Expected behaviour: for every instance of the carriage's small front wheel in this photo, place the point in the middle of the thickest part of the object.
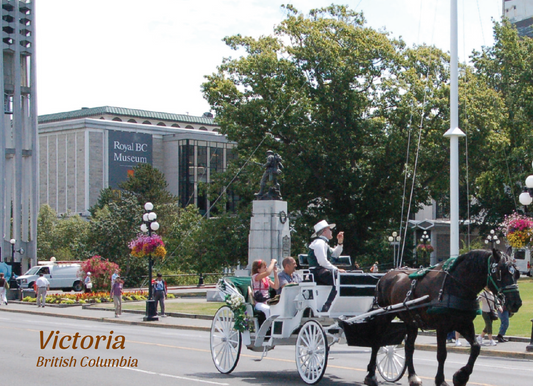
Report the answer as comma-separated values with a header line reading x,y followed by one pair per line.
x,y
311,352
225,341
391,362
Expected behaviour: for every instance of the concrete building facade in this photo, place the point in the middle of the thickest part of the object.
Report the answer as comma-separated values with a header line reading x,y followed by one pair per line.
x,y
87,150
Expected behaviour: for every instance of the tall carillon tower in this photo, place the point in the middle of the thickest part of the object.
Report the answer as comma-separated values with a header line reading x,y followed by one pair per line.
x,y
18,139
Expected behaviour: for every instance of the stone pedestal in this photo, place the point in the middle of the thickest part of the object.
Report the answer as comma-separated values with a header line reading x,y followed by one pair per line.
x,y
269,236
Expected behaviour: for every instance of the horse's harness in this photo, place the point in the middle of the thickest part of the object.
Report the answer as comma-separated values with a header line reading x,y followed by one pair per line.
x,y
448,301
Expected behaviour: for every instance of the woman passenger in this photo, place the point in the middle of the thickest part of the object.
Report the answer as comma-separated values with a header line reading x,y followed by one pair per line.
x,y
261,283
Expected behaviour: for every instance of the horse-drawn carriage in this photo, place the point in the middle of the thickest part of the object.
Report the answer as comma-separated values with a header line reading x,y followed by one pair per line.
x,y
443,298
295,320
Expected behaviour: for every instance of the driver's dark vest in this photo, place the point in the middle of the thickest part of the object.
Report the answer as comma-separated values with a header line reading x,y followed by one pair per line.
x,y
312,260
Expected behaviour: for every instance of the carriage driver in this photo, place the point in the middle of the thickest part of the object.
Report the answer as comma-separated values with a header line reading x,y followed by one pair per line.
x,y
319,255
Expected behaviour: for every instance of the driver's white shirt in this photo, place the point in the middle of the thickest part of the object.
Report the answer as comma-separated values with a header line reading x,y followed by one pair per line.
x,y
320,247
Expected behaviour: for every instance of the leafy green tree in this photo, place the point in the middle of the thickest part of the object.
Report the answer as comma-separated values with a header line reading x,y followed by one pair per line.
x,y
507,69
63,238
340,102
46,224
149,185
111,229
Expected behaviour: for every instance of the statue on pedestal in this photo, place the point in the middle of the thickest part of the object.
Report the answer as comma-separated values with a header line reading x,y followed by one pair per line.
x,y
273,167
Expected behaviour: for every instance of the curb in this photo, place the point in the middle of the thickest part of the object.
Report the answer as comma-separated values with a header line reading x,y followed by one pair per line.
x,y
421,346
113,320
489,353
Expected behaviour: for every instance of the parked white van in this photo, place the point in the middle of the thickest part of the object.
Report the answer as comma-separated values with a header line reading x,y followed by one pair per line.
x,y
60,275
522,258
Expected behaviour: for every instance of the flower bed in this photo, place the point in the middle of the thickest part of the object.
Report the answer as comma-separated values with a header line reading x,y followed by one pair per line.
x,y
91,297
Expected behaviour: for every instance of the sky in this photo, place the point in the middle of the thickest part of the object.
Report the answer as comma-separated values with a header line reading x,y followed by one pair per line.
x,y
155,55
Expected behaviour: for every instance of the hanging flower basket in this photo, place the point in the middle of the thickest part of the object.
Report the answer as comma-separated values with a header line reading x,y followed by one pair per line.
x,y
518,229
145,245
424,248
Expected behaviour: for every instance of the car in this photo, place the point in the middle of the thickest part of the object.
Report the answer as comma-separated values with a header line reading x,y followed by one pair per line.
x,y
522,257
60,275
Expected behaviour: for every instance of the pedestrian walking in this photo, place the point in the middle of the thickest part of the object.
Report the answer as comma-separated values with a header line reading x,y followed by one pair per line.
x,y
4,286
43,285
504,324
159,287
488,306
88,283
116,293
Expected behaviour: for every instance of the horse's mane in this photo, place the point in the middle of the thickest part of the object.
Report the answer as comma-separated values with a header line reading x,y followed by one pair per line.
x,y
473,259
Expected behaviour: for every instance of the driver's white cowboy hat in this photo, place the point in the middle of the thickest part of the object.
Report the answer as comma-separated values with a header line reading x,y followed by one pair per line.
x,y
321,225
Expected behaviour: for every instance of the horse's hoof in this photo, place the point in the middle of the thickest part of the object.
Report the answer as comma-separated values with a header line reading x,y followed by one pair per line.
x,y
371,380
461,377
414,380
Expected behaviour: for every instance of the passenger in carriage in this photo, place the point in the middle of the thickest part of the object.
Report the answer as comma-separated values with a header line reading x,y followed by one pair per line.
x,y
319,255
261,282
288,275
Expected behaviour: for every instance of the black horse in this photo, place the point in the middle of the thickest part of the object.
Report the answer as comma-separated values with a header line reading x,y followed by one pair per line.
x,y
453,288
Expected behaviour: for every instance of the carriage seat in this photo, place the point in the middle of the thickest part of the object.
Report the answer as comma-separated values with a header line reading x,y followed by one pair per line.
x,y
260,315
341,261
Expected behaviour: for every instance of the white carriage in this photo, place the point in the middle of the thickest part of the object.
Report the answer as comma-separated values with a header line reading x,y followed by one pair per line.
x,y
295,320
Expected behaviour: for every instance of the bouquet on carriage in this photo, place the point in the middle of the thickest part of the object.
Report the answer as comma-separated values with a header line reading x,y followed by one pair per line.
x,y
518,229
237,305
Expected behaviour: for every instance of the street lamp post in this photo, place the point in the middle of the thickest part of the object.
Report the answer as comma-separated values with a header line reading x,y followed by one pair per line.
x,y
12,242
526,197
12,280
150,224
425,241
492,238
394,240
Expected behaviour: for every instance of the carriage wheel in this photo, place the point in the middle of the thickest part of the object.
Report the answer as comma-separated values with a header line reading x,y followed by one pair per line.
x,y
225,341
391,362
311,352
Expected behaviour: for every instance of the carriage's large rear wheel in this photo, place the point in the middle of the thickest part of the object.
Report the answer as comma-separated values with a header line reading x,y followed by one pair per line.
x,y
225,341
311,352
391,362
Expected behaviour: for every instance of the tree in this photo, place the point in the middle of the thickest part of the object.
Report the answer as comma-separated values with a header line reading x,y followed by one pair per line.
x,y
111,230
149,185
507,69
63,238
46,224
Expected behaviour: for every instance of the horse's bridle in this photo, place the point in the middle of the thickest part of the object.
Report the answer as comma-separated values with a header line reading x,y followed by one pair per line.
x,y
493,269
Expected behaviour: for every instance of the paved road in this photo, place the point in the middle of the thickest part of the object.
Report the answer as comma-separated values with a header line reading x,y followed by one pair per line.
x,y
174,356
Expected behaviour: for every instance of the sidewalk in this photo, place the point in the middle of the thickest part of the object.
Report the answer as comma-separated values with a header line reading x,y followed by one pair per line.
x,y
515,348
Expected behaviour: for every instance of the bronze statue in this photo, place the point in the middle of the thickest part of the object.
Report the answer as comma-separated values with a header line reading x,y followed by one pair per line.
x,y
272,167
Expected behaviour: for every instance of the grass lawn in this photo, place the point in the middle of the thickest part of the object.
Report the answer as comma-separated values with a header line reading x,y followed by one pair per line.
x,y
519,325
189,307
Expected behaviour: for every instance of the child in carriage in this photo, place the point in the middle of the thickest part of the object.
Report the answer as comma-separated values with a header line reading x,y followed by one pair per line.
x,y
261,282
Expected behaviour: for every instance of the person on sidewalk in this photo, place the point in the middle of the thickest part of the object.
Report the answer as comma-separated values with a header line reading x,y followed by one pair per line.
x,y
4,286
159,287
319,255
88,283
114,277
488,304
43,285
116,293
504,324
